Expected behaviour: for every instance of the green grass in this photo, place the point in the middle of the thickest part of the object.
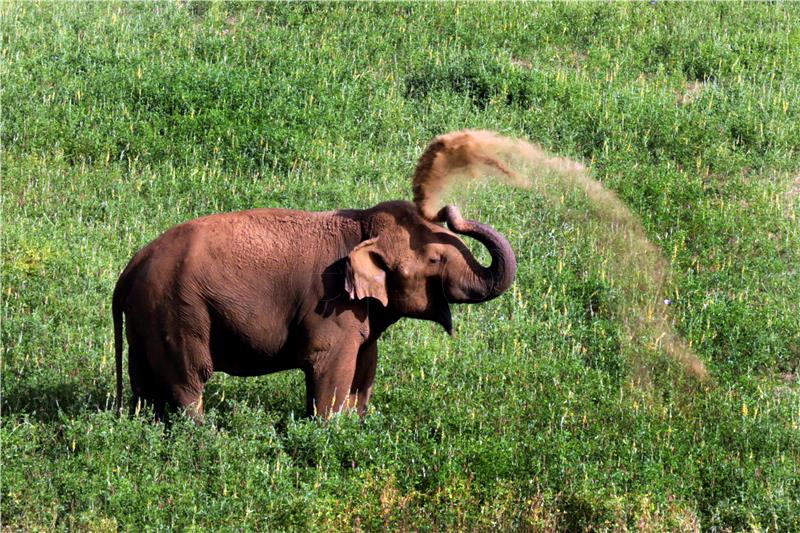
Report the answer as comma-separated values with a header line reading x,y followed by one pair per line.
x,y
120,120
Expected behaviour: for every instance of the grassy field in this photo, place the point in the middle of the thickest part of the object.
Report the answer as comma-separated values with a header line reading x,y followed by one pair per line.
x,y
546,412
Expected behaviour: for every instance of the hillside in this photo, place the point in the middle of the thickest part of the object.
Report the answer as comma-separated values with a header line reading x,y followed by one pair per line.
x,y
565,404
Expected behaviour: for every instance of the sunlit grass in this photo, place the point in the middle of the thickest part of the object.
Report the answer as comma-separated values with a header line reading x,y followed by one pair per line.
x,y
547,411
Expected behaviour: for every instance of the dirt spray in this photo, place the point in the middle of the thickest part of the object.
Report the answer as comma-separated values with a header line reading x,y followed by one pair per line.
x,y
636,266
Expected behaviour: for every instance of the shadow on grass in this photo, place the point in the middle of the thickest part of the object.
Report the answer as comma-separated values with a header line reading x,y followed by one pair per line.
x,y
48,402
282,395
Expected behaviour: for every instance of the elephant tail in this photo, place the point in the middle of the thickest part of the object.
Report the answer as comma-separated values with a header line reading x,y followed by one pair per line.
x,y
121,291
120,296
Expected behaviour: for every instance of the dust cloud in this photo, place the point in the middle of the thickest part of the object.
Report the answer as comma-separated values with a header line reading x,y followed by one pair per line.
x,y
633,264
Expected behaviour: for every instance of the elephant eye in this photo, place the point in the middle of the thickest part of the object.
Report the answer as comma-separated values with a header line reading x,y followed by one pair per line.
x,y
435,260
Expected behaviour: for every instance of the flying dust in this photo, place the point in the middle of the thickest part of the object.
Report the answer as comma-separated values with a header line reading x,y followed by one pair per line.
x,y
634,265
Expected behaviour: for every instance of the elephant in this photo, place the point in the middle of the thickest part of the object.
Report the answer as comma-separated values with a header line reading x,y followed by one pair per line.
x,y
260,291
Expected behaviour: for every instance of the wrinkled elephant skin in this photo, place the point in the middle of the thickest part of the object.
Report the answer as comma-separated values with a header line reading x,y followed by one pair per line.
x,y
265,290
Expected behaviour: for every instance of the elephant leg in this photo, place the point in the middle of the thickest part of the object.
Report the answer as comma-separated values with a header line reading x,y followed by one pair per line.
x,y
147,390
193,369
328,381
138,374
361,388
190,400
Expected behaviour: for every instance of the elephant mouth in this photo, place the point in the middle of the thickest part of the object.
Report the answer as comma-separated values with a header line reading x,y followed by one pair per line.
x,y
444,317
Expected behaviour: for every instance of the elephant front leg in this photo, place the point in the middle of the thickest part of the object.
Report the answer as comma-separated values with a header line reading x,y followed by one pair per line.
x,y
329,379
361,388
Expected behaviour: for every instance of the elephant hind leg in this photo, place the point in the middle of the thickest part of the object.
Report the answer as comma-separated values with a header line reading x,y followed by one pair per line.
x,y
147,391
193,368
170,371
190,401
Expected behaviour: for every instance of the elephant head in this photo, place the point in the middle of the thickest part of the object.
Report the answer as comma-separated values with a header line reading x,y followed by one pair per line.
x,y
416,268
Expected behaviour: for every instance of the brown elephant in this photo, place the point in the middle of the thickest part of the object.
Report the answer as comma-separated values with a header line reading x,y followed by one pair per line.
x,y
255,292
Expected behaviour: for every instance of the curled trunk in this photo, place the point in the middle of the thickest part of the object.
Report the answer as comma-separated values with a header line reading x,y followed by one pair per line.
x,y
481,283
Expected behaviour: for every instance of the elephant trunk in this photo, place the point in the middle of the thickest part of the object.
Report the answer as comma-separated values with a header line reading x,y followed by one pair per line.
x,y
482,283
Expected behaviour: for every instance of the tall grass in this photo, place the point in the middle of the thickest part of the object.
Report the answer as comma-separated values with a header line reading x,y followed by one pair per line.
x,y
548,410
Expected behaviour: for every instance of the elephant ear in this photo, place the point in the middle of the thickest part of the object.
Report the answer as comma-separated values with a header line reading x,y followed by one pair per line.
x,y
366,277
